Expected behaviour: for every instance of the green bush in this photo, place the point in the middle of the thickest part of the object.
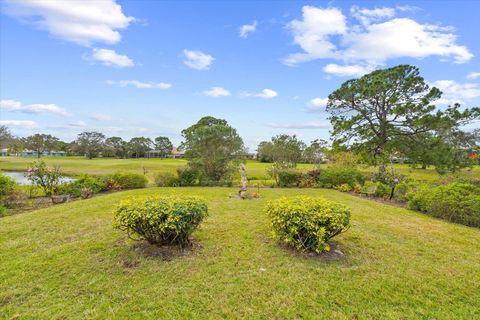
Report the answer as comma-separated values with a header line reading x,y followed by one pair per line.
x,y
166,179
3,210
337,176
187,176
84,182
128,180
7,185
307,223
456,202
344,187
161,220
46,177
419,197
288,177
11,195
382,190
310,179
403,188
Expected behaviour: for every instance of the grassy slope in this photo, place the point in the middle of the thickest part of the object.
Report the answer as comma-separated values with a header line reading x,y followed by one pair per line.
x,y
256,170
66,262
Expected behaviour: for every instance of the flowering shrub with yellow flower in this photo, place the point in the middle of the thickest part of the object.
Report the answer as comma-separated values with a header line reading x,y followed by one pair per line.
x,y
164,220
307,223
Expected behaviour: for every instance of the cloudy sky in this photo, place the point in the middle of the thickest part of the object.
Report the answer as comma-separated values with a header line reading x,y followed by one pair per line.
x,y
149,68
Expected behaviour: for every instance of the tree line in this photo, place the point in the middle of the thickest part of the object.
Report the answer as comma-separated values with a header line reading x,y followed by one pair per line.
x,y
90,144
386,114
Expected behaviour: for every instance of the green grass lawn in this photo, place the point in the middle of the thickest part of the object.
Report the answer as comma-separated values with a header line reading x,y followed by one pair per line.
x,y
256,171
67,262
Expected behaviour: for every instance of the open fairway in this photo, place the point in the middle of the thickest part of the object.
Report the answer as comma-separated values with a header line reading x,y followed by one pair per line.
x,y
257,171
78,165
67,262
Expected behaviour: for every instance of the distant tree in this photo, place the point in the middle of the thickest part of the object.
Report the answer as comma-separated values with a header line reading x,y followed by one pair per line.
x,y
210,145
62,146
116,147
446,150
164,145
316,151
282,149
90,144
377,112
6,136
265,151
41,143
139,146
16,145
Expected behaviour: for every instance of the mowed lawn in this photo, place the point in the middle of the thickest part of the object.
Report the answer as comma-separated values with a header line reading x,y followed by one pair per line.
x,y
67,262
256,171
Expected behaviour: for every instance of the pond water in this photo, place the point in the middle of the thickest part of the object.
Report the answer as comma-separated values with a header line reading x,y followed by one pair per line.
x,y
21,179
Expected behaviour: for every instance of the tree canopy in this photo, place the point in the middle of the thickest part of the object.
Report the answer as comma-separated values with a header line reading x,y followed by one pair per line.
x,y
139,146
378,112
90,143
210,145
5,136
41,143
282,148
164,145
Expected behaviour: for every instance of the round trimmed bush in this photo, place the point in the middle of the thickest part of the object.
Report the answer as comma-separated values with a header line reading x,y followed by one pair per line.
x,y
161,220
307,223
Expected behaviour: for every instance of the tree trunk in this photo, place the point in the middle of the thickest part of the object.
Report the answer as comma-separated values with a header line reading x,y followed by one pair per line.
x,y
382,169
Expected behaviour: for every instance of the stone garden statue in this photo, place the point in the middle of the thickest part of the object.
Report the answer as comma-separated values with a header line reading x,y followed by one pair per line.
x,y
243,181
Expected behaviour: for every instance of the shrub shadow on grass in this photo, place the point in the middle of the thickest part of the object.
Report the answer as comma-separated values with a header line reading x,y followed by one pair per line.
x,y
335,254
166,252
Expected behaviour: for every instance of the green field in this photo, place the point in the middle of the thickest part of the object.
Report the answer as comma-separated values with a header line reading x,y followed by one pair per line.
x,y
257,171
67,262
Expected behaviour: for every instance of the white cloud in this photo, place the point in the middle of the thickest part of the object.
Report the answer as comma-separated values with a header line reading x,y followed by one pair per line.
x,y
82,22
217,92
306,125
366,16
109,57
317,103
101,117
347,70
455,92
197,60
19,124
76,125
37,108
403,37
372,42
79,123
473,75
407,8
313,31
141,85
247,28
267,94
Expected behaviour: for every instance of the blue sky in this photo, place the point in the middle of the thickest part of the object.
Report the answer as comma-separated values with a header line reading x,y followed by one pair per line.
x,y
149,68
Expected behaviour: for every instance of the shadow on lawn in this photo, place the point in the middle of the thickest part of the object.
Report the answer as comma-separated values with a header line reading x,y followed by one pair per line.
x,y
166,252
335,253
